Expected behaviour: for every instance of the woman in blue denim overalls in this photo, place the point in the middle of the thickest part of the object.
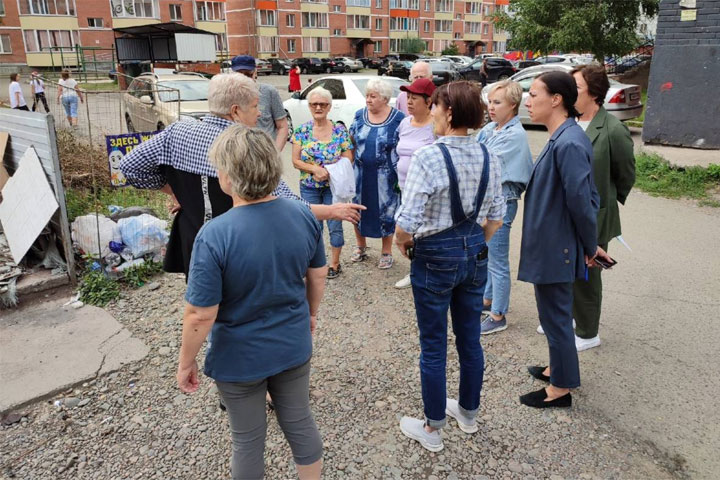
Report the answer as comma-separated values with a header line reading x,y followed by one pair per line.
x,y
452,205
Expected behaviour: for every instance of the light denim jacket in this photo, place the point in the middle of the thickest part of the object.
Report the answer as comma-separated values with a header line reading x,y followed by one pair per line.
x,y
510,145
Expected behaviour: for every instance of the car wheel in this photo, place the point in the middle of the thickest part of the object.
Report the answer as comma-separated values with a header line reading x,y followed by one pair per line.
x,y
290,126
503,77
283,72
128,122
347,69
304,71
328,70
160,126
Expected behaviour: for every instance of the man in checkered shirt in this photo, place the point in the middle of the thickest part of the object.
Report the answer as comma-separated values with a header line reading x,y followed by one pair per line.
x,y
175,161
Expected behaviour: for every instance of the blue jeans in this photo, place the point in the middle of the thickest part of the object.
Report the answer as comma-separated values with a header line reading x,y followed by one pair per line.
x,y
70,104
323,196
446,273
498,281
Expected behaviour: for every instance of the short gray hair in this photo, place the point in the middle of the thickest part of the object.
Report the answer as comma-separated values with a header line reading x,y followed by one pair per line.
x,y
250,160
513,92
323,92
228,89
379,86
420,65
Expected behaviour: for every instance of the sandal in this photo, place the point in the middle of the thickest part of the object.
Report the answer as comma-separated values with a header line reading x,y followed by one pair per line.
x,y
360,254
386,261
334,273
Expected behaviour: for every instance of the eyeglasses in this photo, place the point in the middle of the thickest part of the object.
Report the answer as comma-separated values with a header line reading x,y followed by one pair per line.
x,y
319,105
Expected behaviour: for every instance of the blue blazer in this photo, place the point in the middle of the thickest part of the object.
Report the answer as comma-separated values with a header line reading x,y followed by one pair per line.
x,y
561,207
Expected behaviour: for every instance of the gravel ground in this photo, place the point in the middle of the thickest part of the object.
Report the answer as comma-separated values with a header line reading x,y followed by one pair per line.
x,y
135,424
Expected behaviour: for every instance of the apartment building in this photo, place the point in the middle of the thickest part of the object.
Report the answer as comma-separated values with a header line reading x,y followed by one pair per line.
x,y
44,33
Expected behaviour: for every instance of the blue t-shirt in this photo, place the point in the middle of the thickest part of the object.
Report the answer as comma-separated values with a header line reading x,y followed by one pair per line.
x,y
251,261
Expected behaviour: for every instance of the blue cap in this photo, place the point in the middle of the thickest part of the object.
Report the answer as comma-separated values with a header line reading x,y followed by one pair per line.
x,y
243,62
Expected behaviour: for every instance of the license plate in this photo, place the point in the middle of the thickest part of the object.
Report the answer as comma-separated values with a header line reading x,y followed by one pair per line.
x,y
634,96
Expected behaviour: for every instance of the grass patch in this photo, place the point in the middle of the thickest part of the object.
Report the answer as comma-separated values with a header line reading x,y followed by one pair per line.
x,y
138,276
99,87
656,176
85,200
97,289
639,121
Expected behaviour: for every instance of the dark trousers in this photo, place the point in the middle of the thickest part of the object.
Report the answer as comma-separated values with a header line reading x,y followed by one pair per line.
x,y
587,303
554,304
40,97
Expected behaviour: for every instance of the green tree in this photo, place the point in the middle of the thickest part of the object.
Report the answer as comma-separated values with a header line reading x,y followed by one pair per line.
x,y
601,27
451,50
413,45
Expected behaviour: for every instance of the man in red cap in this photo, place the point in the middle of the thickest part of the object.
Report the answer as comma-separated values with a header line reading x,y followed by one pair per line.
x,y
419,70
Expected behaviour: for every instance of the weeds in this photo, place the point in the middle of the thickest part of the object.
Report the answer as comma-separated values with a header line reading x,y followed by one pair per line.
x,y
656,176
138,276
97,289
81,201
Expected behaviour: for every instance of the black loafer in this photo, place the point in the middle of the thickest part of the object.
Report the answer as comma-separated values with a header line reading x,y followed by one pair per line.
x,y
537,400
537,372
332,273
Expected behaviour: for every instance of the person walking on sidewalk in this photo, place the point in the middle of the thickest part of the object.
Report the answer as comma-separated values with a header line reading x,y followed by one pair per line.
x,y
506,138
38,90
559,235
452,189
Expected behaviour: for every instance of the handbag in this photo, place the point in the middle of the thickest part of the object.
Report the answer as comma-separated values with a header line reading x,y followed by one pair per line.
x,y
342,180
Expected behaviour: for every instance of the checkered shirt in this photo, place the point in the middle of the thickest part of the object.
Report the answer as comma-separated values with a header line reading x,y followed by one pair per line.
x,y
425,208
183,146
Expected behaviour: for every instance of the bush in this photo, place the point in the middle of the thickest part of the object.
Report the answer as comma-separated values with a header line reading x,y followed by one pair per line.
x,y
451,50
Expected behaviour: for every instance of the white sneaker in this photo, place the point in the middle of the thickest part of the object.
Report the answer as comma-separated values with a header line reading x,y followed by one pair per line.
x,y
467,425
542,332
586,343
404,283
415,429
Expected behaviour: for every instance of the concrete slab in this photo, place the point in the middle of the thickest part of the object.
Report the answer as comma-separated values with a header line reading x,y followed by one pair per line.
x,y
682,157
46,348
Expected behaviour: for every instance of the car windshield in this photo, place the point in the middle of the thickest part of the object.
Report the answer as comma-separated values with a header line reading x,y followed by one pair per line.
x,y
396,83
190,91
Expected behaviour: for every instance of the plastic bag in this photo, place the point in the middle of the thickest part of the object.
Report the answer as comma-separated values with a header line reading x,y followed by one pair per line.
x,y
85,234
143,234
342,180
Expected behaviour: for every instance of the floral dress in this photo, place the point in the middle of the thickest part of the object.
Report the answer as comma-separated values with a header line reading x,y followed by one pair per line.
x,y
376,172
320,153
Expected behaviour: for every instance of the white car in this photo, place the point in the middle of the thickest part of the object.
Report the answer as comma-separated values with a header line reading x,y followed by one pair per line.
x,y
460,60
348,93
622,100
351,65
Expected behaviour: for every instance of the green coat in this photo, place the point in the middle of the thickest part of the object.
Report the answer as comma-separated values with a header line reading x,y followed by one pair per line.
x,y
613,169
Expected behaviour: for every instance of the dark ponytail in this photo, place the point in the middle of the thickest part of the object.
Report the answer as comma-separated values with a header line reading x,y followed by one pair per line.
x,y
563,84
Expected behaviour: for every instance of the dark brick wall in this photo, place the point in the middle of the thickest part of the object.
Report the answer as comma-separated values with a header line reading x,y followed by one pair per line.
x,y
683,104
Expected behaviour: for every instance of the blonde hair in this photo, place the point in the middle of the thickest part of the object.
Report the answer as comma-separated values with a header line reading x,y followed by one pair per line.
x,y
513,92
228,89
249,159
381,87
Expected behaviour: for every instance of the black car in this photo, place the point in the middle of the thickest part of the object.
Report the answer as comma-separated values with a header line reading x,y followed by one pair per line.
x,y
310,65
443,73
279,66
329,65
376,63
365,61
497,69
399,69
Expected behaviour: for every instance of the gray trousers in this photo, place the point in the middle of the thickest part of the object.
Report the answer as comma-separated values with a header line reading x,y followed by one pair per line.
x,y
245,402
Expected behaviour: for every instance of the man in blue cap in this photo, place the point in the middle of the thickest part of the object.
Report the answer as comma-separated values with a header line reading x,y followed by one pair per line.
x,y
273,119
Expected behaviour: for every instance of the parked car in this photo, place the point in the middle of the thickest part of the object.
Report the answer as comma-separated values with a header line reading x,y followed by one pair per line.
x,y
310,65
348,93
399,69
365,61
279,66
443,73
627,63
622,100
350,64
497,69
330,65
571,59
154,101
521,64
459,59
410,56
263,67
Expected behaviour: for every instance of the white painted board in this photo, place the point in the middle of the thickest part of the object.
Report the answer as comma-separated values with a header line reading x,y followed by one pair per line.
x,y
195,47
28,205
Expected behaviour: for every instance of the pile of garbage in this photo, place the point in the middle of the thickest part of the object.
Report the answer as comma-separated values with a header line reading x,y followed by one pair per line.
x,y
128,238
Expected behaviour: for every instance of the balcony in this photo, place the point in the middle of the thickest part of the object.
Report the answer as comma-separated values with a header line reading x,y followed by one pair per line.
x,y
323,2
358,3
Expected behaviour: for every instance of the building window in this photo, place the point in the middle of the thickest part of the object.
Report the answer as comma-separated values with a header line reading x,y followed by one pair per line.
x,y
404,24
458,16
378,4
487,10
315,44
44,40
473,27
290,20
361,22
398,44
266,18
440,45
314,1
486,29
405,4
457,35
5,42
473,8
378,24
291,45
95,22
2,9
45,7
221,42
358,3
209,11
176,12
267,44
427,5
135,9
337,8
443,5
314,20
378,47
426,26
443,26
337,32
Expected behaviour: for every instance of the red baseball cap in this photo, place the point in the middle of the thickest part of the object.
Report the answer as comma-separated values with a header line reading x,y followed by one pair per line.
x,y
421,86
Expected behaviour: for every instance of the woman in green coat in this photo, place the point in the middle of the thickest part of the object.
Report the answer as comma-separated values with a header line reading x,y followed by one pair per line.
x,y
614,173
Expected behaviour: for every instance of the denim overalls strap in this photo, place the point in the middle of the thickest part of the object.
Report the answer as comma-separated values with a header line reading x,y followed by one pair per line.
x,y
456,208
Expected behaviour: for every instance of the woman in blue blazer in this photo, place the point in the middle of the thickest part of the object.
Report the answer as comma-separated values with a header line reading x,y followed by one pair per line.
x,y
559,240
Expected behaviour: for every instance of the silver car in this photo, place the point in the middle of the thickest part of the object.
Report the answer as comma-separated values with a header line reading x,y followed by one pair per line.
x,y
351,65
622,100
